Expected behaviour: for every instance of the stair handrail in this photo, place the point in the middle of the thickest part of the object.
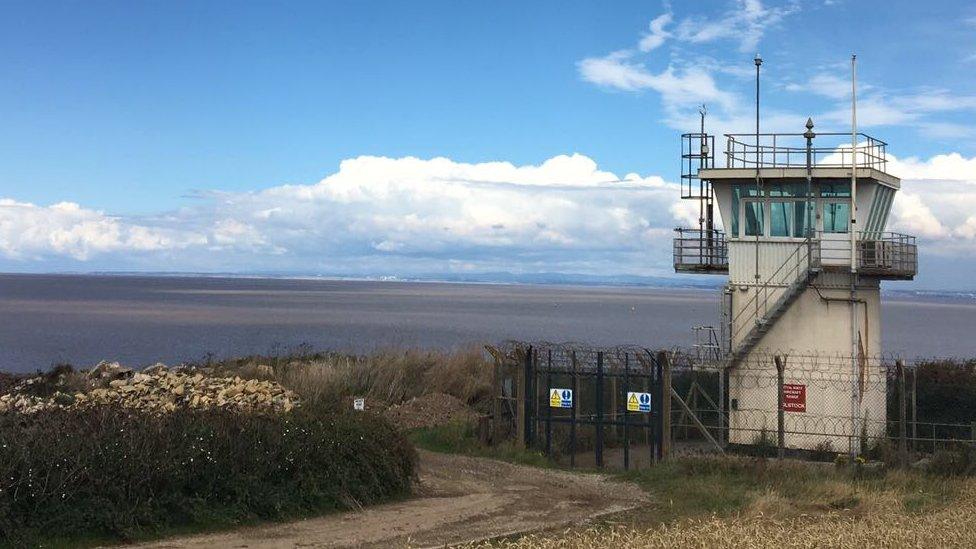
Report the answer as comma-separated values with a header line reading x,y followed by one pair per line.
x,y
793,264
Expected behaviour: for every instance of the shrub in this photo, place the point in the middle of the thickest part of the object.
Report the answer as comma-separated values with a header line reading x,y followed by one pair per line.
x,y
953,461
118,474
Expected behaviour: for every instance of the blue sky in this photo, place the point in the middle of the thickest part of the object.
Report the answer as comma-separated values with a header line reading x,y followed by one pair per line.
x,y
211,136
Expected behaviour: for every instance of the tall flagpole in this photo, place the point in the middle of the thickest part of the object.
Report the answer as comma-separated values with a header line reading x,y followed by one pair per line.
x,y
855,362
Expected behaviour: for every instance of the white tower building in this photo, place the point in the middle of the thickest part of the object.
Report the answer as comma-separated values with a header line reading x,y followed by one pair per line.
x,y
805,250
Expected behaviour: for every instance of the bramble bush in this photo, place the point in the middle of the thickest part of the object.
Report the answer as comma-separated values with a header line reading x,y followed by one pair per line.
x,y
108,473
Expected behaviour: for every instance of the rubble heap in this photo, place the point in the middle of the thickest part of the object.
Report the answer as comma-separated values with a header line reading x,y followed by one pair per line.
x,y
156,390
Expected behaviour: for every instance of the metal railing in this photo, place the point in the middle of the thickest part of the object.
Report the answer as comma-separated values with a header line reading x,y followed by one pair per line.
x,y
885,254
697,152
788,150
701,251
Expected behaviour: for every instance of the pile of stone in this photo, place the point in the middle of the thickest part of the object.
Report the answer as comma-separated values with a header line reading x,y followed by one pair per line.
x,y
156,390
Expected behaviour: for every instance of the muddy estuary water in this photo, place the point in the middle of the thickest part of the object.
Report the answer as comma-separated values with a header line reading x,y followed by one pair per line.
x,y
140,320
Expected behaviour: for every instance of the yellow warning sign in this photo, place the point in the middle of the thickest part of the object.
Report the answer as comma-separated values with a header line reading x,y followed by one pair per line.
x,y
554,399
632,404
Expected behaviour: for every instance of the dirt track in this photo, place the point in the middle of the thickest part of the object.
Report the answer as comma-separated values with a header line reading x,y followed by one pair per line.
x,y
460,499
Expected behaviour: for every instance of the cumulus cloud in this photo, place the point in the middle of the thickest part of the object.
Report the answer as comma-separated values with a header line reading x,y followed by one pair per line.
x,y
937,200
377,215
28,231
387,212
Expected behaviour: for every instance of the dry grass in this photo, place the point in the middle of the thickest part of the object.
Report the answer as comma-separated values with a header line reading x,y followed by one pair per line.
x,y
389,377
787,506
948,527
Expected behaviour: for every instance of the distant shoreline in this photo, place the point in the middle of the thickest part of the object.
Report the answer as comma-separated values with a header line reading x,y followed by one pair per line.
x,y
550,280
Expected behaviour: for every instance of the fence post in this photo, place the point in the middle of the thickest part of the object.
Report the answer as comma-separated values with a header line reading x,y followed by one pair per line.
x,y
613,405
599,409
915,408
520,398
626,413
549,406
902,415
528,376
496,403
780,416
665,361
575,413
721,407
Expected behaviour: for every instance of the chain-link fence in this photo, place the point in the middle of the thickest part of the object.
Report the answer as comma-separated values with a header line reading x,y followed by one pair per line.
x,y
775,402
827,404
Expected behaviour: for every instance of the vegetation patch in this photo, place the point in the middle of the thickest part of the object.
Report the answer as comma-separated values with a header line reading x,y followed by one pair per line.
x,y
111,473
383,378
461,438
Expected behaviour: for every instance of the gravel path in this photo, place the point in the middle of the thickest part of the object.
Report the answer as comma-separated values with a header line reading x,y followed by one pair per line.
x,y
460,499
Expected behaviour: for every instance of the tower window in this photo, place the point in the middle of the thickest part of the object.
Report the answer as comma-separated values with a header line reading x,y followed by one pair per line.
x,y
788,218
753,218
836,217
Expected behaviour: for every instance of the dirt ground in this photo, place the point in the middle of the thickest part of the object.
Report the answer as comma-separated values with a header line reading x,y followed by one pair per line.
x,y
460,499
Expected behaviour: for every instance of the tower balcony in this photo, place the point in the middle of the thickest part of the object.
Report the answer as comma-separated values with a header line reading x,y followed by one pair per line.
x,y
885,255
700,251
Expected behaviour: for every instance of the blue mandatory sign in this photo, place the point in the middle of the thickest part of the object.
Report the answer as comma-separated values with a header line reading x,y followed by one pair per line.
x,y
638,402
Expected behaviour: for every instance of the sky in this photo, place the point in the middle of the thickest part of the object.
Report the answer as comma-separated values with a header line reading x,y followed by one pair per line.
x,y
402,138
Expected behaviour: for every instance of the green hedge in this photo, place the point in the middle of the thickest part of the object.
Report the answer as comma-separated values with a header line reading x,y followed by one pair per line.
x,y
107,473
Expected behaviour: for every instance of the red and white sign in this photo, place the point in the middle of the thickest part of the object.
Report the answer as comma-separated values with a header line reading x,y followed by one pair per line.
x,y
794,397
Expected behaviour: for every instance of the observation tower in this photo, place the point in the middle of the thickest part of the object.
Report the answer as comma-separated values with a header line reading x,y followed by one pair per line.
x,y
804,246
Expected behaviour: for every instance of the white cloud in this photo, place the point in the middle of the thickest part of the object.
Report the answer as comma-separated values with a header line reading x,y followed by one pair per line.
x,y
745,23
657,35
395,214
28,231
937,200
688,86
687,81
878,107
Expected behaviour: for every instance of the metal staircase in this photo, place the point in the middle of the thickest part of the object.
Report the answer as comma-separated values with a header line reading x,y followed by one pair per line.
x,y
785,285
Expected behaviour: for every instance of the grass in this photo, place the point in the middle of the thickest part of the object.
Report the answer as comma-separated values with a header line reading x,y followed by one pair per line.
x,y
460,438
731,485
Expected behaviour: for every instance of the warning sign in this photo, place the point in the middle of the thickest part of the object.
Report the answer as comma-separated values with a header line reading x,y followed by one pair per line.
x,y
638,402
560,398
794,397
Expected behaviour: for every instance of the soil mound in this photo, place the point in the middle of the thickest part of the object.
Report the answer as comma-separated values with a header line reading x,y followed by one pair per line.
x,y
430,410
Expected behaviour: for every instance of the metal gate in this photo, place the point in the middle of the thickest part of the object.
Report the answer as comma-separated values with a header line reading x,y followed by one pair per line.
x,y
583,403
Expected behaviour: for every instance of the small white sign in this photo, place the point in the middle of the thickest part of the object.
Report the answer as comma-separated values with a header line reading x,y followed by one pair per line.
x,y
359,404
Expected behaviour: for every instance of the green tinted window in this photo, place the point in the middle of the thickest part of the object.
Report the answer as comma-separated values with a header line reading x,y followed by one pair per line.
x,y
739,191
836,217
789,190
754,218
788,218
